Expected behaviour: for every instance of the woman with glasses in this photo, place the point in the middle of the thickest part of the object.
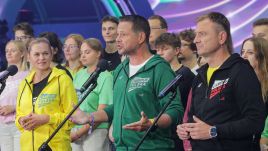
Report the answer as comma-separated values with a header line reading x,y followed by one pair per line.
x,y
24,32
71,50
45,97
9,134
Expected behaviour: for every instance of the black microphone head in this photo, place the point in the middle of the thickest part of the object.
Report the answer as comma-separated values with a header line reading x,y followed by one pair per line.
x,y
102,65
12,70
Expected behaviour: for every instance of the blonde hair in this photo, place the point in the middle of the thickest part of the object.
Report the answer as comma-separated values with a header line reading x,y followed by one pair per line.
x,y
22,48
78,39
261,55
37,41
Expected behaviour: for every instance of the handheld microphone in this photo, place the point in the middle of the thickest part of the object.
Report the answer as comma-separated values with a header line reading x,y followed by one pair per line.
x,y
102,66
171,87
10,71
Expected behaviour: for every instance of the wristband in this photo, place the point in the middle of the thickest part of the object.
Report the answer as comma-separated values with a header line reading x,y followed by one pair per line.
x,y
91,123
154,126
151,120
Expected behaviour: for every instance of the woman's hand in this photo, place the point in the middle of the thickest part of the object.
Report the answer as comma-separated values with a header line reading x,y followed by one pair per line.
x,y
74,136
6,110
34,120
80,117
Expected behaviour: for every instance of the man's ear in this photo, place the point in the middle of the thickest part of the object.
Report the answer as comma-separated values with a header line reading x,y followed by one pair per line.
x,y
222,37
142,37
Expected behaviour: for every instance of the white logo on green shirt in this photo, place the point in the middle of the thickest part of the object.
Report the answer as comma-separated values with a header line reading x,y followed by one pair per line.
x,y
138,82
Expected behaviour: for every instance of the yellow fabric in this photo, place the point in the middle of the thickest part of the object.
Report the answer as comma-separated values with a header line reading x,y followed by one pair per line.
x,y
56,100
151,120
73,72
210,72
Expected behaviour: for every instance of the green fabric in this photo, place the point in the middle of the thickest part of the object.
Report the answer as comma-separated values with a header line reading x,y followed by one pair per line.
x,y
102,94
265,131
139,93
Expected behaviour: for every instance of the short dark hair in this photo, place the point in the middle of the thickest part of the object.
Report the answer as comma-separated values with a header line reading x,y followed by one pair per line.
x,y
110,19
223,22
188,35
168,39
259,22
139,24
163,22
55,43
26,27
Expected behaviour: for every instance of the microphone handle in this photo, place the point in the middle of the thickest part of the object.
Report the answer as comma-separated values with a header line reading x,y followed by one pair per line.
x,y
171,86
4,75
92,78
3,85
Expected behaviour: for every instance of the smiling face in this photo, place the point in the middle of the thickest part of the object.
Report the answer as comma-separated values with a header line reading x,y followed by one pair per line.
x,y
40,56
109,31
248,52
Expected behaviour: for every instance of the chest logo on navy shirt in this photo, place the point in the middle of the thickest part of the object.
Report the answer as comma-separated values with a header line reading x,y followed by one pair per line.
x,y
217,87
138,82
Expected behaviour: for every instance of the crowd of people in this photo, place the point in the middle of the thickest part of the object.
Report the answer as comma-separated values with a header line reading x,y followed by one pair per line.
x,y
219,104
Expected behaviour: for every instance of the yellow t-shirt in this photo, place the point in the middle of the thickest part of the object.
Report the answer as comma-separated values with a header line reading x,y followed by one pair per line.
x,y
210,72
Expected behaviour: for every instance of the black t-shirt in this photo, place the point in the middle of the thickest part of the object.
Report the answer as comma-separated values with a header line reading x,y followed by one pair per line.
x,y
184,87
185,83
266,105
114,59
38,87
